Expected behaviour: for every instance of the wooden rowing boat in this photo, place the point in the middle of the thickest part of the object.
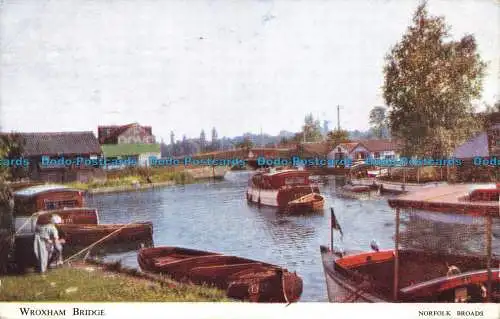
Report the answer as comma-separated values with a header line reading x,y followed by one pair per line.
x,y
84,235
242,278
309,202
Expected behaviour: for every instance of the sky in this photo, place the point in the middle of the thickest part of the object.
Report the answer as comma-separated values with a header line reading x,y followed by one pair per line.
x,y
238,66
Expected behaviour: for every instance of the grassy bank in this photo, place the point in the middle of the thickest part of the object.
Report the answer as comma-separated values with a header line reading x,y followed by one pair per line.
x,y
131,176
91,283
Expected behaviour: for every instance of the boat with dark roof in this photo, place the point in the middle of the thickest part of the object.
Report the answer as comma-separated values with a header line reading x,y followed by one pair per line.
x,y
425,268
286,189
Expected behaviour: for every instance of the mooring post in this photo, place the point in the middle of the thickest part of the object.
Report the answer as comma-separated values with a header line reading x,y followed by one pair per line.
x,y
488,257
331,228
396,257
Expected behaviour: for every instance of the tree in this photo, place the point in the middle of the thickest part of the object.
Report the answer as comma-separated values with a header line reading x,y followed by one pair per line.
x,y
493,108
203,141
246,144
284,141
336,137
311,129
172,138
430,83
378,121
12,146
215,145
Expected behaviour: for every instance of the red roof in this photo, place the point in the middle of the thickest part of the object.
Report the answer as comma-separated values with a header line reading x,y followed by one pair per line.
x,y
381,145
115,131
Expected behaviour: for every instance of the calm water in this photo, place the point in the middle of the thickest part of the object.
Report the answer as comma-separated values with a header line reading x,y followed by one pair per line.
x,y
216,217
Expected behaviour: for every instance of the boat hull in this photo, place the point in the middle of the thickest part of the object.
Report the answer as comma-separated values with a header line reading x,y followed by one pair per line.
x,y
339,288
367,277
315,204
280,198
84,235
241,278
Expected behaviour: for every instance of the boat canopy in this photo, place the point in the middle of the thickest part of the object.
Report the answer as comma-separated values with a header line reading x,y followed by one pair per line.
x,y
447,199
39,189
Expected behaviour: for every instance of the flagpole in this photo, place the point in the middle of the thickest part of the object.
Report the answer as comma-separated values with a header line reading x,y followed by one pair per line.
x,y
331,228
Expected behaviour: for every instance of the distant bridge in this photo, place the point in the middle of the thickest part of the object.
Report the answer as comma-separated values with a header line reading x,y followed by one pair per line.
x,y
248,155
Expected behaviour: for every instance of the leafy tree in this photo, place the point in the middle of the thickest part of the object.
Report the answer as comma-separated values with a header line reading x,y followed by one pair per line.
x,y
378,121
493,108
215,144
172,138
298,138
12,146
203,141
336,137
430,83
311,129
246,144
284,141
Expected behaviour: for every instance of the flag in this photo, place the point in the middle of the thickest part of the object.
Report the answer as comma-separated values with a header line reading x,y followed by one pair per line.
x,y
335,223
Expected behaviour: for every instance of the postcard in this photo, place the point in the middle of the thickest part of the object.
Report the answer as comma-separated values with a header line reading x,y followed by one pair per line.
x,y
250,159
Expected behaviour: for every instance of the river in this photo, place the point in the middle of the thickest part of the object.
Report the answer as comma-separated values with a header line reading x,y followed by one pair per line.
x,y
215,216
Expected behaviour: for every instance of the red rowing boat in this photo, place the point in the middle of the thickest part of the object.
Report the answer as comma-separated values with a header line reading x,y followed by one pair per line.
x,y
242,278
84,235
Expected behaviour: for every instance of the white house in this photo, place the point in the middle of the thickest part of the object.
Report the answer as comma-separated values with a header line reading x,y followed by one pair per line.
x,y
360,150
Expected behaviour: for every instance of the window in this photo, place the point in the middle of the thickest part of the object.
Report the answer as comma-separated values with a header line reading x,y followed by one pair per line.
x,y
51,205
376,155
295,180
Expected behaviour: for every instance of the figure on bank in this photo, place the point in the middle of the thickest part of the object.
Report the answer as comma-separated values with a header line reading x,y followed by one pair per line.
x,y
46,243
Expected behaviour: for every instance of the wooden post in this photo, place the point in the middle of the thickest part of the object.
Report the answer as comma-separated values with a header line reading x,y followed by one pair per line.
x,y
331,228
488,257
396,257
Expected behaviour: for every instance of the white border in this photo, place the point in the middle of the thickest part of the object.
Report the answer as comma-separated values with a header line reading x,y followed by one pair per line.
x,y
242,310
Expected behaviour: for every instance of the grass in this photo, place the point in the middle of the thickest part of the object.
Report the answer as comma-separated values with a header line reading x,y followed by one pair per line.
x,y
83,284
129,176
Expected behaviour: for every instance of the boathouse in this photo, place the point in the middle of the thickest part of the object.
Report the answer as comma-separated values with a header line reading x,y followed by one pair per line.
x,y
485,145
57,145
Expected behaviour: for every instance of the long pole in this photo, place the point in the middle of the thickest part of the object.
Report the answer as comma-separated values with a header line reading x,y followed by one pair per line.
x,y
338,117
396,257
331,228
488,257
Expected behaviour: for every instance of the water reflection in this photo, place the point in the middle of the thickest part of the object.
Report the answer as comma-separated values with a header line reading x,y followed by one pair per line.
x,y
216,217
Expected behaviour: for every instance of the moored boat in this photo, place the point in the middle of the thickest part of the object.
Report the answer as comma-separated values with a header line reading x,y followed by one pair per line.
x,y
242,278
84,235
425,268
46,197
310,202
277,188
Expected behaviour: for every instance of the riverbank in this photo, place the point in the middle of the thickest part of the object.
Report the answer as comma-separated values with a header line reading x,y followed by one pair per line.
x,y
92,281
143,178
128,188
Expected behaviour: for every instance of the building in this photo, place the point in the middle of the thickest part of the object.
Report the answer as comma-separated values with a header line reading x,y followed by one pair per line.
x,y
484,145
125,134
137,153
57,145
361,150
131,142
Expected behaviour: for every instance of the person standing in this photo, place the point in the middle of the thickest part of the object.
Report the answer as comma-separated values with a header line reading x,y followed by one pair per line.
x,y
57,256
46,235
